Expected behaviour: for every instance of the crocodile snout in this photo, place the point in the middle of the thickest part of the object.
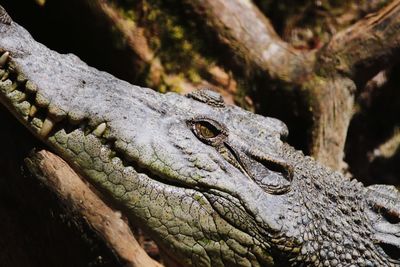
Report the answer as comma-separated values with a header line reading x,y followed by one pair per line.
x,y
272,174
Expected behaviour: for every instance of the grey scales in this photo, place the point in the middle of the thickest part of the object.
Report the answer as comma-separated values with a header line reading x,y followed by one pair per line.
x,y
211,183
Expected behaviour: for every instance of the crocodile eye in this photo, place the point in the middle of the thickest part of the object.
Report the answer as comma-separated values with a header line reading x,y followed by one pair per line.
x,y
206,130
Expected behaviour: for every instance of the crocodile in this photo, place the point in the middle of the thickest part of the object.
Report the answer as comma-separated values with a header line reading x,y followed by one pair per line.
x,y
211,183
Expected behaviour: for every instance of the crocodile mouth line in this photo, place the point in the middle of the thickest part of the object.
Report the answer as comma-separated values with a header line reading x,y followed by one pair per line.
x,y
22,98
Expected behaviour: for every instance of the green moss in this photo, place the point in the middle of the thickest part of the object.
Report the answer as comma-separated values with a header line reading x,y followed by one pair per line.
x,y
193,76
173,37
117,38
177,33
241,96
162,88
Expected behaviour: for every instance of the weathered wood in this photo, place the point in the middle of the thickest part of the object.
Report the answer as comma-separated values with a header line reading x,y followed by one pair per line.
x,y
367,47
145,60
250,35
343,66
56,174
328,78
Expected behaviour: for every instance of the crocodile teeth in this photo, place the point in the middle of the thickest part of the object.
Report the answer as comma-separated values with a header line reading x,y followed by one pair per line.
x,y
13,87
100,129
48,124
4,59
5,76
33,111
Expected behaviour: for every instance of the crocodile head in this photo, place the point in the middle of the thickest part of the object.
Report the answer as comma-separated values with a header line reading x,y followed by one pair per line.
x,y
213,184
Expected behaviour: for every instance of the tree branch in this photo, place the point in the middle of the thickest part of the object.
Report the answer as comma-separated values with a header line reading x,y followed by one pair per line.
x,y
137,43
328,77
242,26
71,190
343,66
368,46
331,101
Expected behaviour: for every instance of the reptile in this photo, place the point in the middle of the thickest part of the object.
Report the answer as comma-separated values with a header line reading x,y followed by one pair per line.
x,y
211,183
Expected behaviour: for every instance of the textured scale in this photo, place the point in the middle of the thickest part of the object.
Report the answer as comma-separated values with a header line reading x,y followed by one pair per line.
x,y
4,17
213,184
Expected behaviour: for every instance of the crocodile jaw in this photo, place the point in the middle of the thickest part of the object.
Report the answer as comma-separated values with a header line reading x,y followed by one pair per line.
x,y
90,145
185,219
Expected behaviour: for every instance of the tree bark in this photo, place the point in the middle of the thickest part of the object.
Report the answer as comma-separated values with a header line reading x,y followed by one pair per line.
x,y
345,64
241,26
56,174
146,60
328,77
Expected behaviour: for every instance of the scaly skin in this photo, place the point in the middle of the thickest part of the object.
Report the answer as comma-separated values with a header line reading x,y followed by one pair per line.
x,y
213,184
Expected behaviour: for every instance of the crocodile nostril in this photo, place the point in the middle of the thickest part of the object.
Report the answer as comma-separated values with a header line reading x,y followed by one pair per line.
x,y
279,167
271,174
